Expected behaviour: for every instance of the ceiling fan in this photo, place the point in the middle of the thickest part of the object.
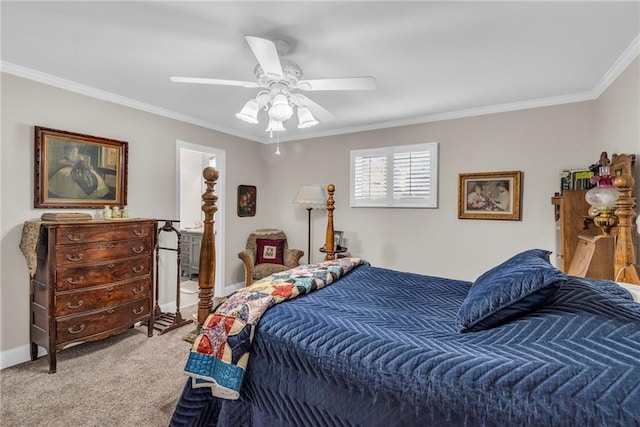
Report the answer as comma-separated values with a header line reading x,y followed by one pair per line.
x,y
280,78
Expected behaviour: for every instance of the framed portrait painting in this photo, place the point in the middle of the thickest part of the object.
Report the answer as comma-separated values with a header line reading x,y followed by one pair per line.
x,y
73,170
337,240
247,200
490,195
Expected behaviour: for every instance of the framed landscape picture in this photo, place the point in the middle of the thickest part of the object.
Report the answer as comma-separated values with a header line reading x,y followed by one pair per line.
x,y
490,195
73,170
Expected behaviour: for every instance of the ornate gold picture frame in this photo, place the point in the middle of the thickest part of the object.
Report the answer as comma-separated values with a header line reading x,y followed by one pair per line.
x,y
73,170
490,195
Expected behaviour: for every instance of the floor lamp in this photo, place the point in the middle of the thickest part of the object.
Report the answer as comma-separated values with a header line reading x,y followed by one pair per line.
x,y
310,197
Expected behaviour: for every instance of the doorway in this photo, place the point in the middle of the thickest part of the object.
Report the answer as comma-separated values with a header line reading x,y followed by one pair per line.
x,y
191,159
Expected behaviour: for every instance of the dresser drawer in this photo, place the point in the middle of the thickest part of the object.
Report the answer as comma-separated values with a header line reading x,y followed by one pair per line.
x,y
71,235
77,302
98,274
74,328
93,252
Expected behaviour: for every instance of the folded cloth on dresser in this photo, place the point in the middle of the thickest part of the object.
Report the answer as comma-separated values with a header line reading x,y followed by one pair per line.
x,y
29,244
219,356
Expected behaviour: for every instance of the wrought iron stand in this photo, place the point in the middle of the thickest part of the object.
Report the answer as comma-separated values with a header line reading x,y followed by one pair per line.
x,y
165,322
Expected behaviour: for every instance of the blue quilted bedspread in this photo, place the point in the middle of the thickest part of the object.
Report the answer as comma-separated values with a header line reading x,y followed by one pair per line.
x,y
381,348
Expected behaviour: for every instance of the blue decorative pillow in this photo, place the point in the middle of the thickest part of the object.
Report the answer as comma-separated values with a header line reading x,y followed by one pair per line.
x,y
516,287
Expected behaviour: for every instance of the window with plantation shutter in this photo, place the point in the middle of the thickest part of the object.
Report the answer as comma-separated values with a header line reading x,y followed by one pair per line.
x,y
401,176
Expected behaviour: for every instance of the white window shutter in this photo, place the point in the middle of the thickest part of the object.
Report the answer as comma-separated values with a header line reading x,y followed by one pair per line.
x,y
400,176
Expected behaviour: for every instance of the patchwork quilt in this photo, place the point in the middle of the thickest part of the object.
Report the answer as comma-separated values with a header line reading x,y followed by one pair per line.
x,y
220,353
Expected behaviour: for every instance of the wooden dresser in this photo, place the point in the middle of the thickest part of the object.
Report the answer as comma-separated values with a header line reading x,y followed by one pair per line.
x,y
94,279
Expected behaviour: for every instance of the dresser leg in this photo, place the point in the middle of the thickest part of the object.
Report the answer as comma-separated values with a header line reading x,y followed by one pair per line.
x,y
52,361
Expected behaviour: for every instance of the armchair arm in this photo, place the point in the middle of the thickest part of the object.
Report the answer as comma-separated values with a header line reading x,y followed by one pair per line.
x,y
248,259
292,257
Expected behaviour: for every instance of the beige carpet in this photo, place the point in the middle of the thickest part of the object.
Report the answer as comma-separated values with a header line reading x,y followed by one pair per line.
x,y
189,287
125,380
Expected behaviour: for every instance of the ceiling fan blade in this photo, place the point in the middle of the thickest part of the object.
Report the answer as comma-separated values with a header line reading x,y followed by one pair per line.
x,y
204,81
318,111
267,55
347,83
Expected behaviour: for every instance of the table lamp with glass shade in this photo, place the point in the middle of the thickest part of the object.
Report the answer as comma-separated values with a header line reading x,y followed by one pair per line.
x,y
602,199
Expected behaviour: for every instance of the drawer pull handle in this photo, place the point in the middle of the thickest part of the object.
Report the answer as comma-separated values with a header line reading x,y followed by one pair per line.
x,y
75,329
111,227
138,269
109,289
111,265
137,291
111,246
138,311
75,258
75,237
139,232
110,311
70,305
138,249
76,280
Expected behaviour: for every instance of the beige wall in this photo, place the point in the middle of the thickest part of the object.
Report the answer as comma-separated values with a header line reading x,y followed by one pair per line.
x,y
540,142
152,177
618,116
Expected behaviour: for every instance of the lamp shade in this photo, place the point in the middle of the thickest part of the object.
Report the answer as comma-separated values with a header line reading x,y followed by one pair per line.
x,y
305,118
249,112
605,194
275,126
280,109
310,197
602,197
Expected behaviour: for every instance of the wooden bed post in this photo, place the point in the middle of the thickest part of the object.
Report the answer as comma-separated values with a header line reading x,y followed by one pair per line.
x,y
328,241
626,268
207,273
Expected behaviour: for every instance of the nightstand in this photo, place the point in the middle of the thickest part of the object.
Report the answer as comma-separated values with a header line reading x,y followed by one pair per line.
x,y
339,253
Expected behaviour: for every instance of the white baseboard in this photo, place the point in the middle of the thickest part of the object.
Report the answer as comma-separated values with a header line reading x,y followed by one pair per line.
x,y
17,355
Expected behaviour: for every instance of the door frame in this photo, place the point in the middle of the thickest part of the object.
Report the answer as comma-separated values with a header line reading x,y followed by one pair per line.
x,y
220,213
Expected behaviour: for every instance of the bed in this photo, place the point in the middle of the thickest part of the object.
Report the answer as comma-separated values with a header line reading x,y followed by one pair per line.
x,y
346,343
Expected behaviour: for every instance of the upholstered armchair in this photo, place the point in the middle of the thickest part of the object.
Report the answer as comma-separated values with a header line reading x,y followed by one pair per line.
x,y
267,253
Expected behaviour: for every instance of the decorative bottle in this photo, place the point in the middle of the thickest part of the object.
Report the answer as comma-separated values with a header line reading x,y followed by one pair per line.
x,y
107,213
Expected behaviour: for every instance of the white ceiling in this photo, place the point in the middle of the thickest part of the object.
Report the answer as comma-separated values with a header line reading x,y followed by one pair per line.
x,y
431,60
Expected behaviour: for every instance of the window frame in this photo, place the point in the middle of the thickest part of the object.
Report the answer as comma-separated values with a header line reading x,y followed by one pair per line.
x,y
429,202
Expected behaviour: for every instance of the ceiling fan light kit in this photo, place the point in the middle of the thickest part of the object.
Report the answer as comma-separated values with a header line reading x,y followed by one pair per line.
x,y
249,112
279,77
275,126
305,118
280,109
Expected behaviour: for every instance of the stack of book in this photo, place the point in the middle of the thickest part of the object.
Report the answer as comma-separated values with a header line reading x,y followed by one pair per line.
x,y
576,179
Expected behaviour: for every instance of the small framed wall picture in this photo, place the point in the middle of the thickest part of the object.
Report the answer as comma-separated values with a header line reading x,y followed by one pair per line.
x,y
337,240
490,195
247,196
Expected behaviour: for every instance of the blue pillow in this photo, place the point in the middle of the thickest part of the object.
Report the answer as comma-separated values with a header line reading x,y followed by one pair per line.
x,y
516,287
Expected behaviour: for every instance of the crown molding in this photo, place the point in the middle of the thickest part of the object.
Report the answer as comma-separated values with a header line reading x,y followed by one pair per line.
x,y
628,55
459,114
623,61
28,73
